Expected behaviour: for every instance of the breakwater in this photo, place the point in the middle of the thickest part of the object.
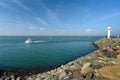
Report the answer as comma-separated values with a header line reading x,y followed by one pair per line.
x,y
89,67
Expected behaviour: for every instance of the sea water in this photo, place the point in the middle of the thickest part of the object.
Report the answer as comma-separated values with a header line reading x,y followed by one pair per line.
x,y
44,52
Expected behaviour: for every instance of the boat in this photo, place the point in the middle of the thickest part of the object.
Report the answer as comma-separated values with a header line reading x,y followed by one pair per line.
x,y
28,41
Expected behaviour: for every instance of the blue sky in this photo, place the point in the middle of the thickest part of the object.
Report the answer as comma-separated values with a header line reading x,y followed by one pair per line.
x,y
59,17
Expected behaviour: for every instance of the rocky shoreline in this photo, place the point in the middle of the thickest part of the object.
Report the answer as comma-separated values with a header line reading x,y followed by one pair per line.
x,y
95,66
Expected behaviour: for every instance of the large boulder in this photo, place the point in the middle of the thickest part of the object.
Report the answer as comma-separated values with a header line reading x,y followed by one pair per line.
x,y
86,69
118,51
75,67
118,57
97,65
62,75
12,77
110,53
18,78
7,78
37,78
77,76
29,78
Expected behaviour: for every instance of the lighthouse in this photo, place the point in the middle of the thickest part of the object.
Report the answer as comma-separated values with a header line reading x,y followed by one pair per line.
x,y
108,29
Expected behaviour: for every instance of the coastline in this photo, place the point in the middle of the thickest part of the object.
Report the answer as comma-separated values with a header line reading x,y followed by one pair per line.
x,y
84,68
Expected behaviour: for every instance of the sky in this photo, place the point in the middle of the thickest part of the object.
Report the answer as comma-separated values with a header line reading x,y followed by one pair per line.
x,y
59,17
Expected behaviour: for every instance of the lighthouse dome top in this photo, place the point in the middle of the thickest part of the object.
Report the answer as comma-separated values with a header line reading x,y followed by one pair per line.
x,y
109,28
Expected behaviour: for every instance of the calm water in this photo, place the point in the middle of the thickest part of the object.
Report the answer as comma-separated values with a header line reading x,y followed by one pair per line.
x,y
45,52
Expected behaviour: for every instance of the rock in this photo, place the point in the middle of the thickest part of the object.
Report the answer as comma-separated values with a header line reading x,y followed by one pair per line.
x,y
38,75
97,64
87,71
112,61
44,75
12,77
66,78
89,76
99,53
7,78
96,73
29,78
70,74
75,79
70,63
101,58
118,47
59,70
2,78
118,57
110,53
37,79
63,67
118,51
18,78
100,78
75,67
62,75
86,65
77,76
90,57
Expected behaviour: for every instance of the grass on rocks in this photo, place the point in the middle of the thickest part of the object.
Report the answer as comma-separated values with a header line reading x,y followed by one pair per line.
x,y
111,72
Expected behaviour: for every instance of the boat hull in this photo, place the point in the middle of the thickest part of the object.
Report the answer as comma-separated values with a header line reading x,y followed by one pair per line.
x,y
28,41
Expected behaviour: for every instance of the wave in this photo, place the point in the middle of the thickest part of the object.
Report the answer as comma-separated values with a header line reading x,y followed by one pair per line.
x,y
38,41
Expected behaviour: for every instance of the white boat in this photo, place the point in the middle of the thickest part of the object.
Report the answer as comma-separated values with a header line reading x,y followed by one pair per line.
x,y
28,41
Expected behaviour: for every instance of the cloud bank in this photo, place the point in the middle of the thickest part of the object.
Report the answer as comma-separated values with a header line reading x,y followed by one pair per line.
x,y
89,30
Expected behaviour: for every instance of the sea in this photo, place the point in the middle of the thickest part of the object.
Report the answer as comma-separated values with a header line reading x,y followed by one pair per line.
x,y
45,52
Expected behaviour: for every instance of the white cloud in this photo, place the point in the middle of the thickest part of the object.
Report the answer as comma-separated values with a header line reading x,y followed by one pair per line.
x,y
31,27
110,16
41,21
89,30
51,15
60,30
5,5
36,28
20,4
41,28
28,24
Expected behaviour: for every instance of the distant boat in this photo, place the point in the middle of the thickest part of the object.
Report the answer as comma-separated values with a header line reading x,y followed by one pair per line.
x,y
28,41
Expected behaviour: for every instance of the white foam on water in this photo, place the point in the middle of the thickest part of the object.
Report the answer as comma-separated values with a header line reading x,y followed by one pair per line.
x,y
38,41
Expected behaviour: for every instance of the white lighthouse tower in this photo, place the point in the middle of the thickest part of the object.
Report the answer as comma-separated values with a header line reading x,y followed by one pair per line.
x,y
108,29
